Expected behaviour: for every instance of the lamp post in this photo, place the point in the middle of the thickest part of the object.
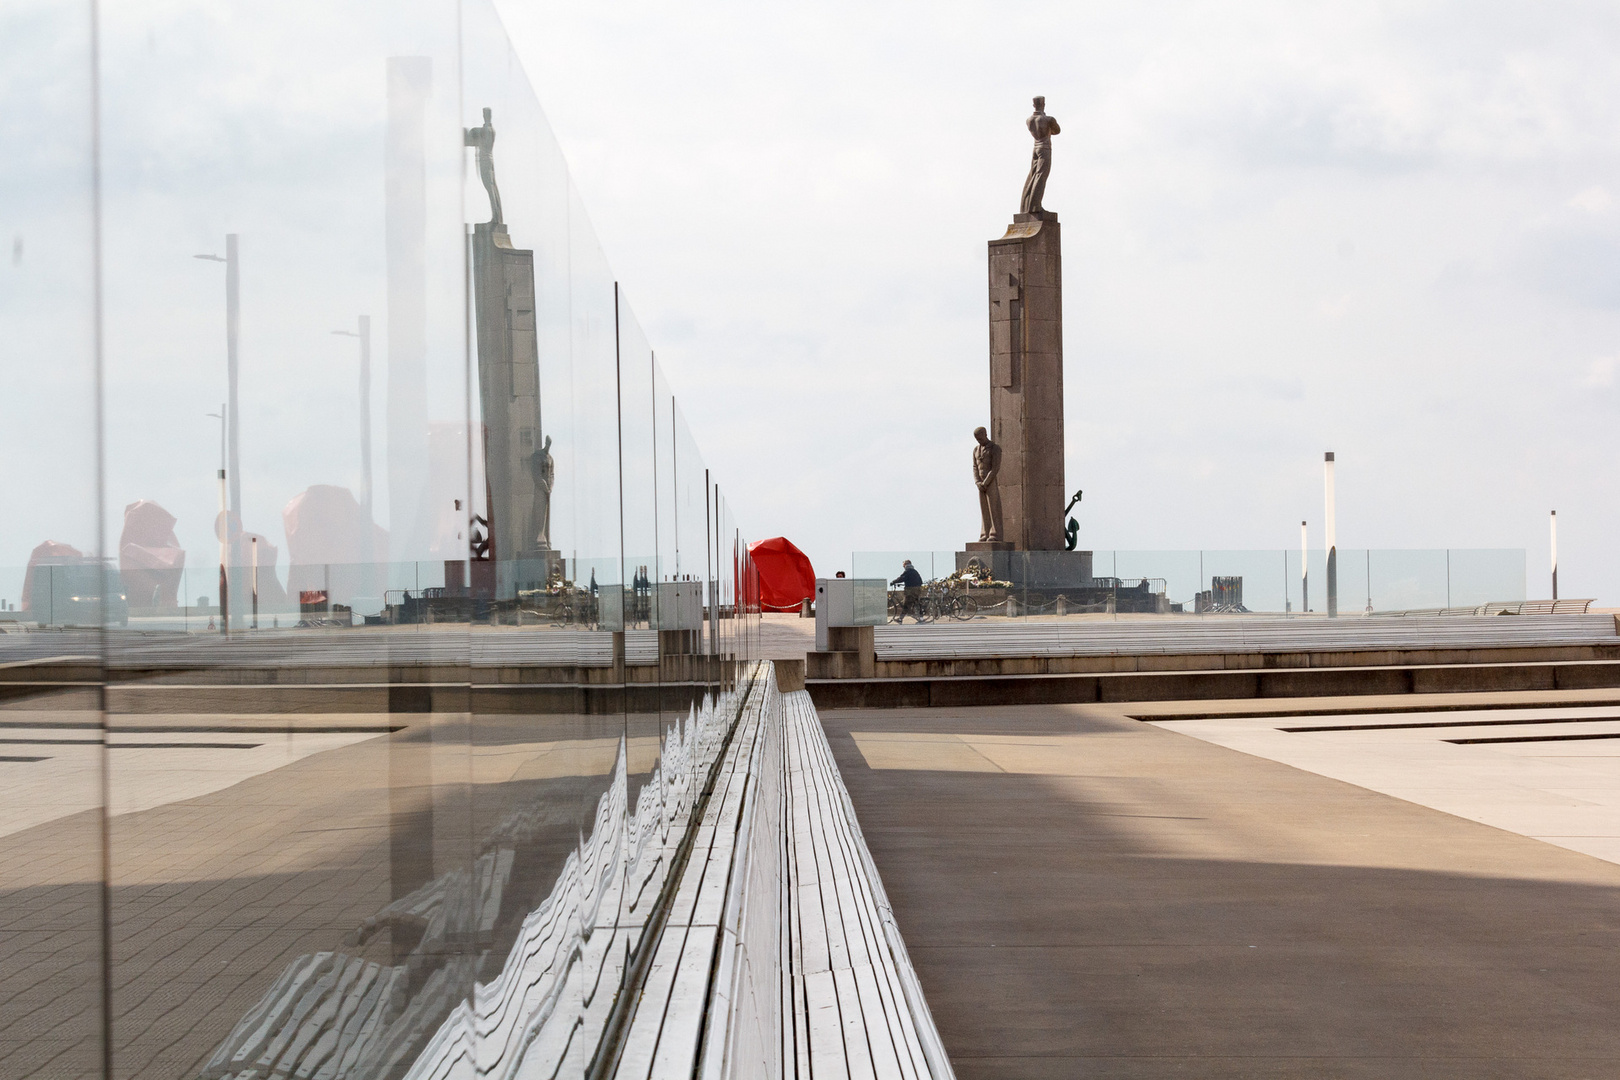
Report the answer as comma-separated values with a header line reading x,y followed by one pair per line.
x,y
1554,524
224,530
232,466
233,311
1304,571
365,408
255,583
1331,539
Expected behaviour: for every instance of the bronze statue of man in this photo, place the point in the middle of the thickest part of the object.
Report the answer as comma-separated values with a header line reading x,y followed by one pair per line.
x,y
986,466
1042,127
484,139
544,468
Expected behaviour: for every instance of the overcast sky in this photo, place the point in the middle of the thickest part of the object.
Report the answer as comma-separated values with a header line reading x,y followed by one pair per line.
x,y
1391,231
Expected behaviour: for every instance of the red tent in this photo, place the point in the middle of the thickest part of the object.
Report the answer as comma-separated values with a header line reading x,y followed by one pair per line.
x,y
785,576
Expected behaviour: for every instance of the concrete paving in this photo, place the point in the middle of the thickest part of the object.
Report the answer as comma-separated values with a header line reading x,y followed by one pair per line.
x,y
227,864
785,636
1085,894
1551,774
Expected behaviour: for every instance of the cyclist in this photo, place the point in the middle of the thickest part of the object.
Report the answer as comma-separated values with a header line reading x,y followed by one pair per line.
x,y
912,582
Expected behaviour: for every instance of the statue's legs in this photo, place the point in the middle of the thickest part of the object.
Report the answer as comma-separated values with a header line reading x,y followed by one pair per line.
x,y
488,177
1035,185
990,514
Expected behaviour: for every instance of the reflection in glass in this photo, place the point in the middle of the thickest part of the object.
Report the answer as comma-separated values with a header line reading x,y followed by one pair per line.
x,y
355,726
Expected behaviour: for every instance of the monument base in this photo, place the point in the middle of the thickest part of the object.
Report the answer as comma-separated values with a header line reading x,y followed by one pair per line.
x,y
530,571
1029,569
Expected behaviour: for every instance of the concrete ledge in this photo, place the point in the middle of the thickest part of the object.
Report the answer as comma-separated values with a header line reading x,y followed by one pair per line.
x,y
1197,685
539,699
789,675
1254,660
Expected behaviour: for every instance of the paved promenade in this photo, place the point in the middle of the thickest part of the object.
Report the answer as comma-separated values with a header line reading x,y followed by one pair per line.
x,y
1086,894
240,843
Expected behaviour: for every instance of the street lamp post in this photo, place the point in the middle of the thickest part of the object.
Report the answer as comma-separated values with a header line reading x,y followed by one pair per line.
x,y
224,560
1554,525
224,531
1304,571
255,583
232,408
1331,539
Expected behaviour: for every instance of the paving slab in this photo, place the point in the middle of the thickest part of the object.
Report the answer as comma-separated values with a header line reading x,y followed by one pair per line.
x,y
1085,894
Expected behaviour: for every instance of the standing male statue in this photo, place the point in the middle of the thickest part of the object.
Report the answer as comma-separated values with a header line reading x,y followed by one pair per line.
x,y
484,139
545,478
986,466
1043,127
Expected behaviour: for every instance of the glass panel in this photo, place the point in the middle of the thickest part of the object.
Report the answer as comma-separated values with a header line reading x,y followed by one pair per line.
x,y
52,575
288,426
392,745
1205,582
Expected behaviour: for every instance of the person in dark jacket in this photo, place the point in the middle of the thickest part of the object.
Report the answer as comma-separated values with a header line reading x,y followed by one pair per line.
x,y
911,581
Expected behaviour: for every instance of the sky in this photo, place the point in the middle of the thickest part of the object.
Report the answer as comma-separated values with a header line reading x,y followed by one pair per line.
x,y
1388,231
1391,232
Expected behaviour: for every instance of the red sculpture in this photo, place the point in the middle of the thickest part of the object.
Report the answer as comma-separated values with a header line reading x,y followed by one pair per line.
x,y
786,578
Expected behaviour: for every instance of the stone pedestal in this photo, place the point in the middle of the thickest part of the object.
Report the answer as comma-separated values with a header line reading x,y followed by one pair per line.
x,y
1031,569
531,570
1026,380
509,394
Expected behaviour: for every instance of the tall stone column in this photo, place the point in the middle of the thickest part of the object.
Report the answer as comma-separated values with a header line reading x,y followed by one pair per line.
x,y
509,393
1026,379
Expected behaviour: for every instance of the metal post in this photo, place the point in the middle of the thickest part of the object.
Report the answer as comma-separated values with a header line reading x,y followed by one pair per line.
x,y
365,415
230,412
1304,572
224,559
1554,521
233,313
255,582
1331,538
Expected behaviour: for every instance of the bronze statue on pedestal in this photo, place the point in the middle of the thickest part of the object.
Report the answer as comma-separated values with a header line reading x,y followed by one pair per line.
x,y
1042,127
484,139
986,466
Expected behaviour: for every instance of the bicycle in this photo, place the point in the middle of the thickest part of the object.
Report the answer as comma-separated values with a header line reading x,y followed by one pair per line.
x,y
938,600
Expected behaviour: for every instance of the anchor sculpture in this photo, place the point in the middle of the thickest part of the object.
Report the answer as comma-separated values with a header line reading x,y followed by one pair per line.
x,y
1072,531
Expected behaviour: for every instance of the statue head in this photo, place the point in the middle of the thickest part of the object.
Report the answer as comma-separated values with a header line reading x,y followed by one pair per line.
x,y
546,449
1040,106
486,111
982,436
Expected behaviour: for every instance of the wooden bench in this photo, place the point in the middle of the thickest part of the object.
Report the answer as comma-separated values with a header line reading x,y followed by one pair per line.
x,y
781,957
729,924
858,1009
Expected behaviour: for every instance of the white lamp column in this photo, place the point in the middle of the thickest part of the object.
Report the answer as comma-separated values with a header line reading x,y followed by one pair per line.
x,y
1304,570
1331,538
1554,524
